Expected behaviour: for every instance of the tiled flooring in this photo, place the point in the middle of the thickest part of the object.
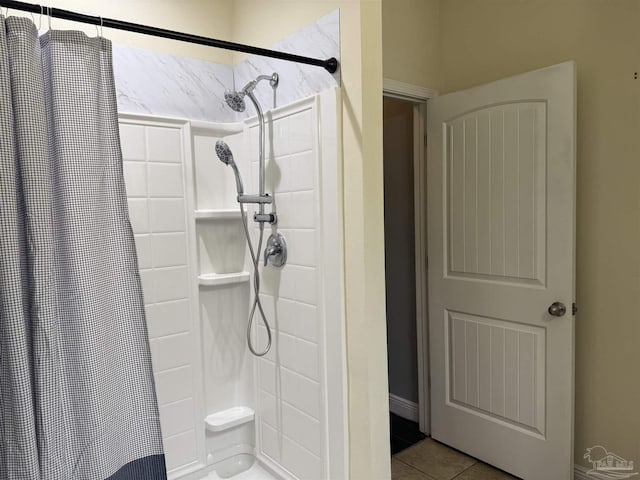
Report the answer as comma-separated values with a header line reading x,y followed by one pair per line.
x,y
430,460
417,458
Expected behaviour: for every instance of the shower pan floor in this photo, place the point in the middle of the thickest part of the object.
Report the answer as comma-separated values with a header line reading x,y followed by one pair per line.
x,y
256,472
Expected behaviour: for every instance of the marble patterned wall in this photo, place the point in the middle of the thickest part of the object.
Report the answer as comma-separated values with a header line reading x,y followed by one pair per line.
x,y
154,83
318,40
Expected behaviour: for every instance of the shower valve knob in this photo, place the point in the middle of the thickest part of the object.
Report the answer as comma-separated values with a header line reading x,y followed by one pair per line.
x,y
275,252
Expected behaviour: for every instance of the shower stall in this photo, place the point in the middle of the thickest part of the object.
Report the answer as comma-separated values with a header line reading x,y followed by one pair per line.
x,y
237,221
223,410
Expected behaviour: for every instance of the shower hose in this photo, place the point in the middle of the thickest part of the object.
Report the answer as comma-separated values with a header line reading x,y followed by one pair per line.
x,y
257,304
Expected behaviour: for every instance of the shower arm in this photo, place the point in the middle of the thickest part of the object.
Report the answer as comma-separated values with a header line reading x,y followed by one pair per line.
x,y
249,87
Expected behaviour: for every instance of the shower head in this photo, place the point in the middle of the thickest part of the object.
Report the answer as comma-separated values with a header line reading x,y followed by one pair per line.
x,y
224,154
235,100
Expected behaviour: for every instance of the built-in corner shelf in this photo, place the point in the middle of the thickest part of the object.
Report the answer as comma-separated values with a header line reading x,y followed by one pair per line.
x,y
217,214
226,419
217,279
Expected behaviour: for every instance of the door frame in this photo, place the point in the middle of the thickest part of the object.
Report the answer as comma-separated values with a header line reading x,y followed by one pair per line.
x,y
418,96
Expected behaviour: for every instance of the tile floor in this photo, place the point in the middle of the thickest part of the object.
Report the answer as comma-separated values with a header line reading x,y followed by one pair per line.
x,y
430,460
415,457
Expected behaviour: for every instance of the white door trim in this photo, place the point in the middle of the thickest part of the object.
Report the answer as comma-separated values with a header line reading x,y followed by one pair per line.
x,y
407,91
418,96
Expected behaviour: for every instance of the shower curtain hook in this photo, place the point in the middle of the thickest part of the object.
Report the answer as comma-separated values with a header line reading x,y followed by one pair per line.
x,y
49,16
40,18
101,23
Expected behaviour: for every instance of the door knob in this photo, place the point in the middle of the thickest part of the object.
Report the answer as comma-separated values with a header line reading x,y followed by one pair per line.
x,y
557,309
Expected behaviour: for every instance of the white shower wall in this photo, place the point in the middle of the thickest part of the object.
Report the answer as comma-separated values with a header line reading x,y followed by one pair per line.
x,y
300,432
155,174
291,417
200,358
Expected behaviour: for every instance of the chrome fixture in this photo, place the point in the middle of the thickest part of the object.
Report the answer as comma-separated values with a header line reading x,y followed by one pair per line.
x,y
224,154
276,249
235,100
255,199
275,252
557,309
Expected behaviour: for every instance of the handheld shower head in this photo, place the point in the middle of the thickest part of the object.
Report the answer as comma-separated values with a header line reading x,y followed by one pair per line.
x,y
224,154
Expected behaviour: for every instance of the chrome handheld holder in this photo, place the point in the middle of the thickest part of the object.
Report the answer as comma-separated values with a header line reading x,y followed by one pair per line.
x,y
265,218
260,199
261,216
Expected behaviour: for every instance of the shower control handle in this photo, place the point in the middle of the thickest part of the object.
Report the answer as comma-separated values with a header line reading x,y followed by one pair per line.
x,y
275,252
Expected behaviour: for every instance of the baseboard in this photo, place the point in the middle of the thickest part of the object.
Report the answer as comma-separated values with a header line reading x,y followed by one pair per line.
x,y
580,473
404,408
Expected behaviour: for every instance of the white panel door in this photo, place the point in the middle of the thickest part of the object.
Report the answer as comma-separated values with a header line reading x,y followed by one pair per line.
x,y
501,210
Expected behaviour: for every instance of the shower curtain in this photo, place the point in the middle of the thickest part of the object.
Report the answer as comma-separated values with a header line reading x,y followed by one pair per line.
x,y
77,398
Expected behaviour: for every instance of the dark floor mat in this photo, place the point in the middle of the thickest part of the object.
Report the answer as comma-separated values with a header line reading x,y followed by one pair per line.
x,y
404,433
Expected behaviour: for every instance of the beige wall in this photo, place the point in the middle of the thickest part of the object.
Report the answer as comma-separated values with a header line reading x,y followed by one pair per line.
x,y
283,17
411,42
483,40
209,18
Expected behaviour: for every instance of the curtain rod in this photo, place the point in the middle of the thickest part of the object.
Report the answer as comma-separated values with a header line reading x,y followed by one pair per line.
x,y
331,64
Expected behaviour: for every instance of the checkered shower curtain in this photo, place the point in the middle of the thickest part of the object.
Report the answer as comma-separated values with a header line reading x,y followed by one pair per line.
x,y
77,398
